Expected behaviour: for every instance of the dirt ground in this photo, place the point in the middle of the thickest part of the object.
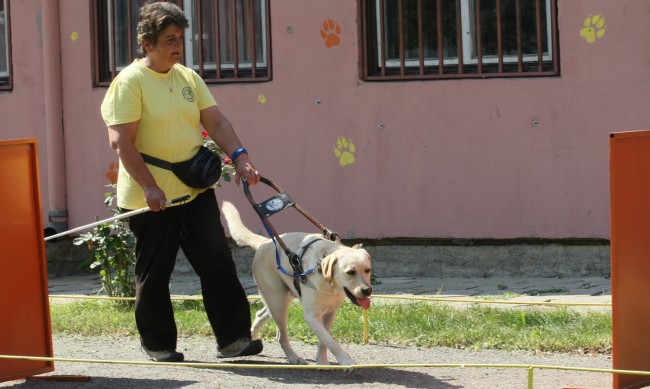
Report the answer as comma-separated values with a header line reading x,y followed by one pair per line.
x,y
238,372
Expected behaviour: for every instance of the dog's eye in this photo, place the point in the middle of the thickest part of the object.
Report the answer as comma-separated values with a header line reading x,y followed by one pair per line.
x,y
367,271
352,272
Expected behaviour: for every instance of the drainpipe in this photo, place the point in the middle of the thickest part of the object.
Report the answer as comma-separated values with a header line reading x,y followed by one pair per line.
x,y
56,180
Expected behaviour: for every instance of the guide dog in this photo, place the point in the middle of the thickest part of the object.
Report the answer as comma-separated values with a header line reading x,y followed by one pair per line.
x,y
340,271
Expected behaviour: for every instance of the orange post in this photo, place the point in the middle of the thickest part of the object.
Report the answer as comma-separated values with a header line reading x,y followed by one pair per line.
x,y
630,255
24,309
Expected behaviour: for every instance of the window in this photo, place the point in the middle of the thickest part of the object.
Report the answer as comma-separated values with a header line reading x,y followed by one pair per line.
x,y
234,44
425,39
5,46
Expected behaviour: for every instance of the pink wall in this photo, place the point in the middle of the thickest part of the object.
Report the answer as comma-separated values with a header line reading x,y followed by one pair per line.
x,y
453,159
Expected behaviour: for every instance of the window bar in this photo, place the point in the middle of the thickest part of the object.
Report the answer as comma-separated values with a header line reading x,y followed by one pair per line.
x,y
268,52
251,39
94,9
400,23
10,80
540,56
383,36
365,27
113,58
441,54
420,38
479,46
556,63
235,39
199,36
520,56
129,33
459,37
217,39
499,37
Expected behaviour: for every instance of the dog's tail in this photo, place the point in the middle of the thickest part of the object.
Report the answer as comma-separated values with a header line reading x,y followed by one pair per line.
x,y
242,235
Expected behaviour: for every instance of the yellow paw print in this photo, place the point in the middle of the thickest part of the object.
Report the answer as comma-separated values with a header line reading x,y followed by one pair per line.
x,y
330,31
594,28
344,151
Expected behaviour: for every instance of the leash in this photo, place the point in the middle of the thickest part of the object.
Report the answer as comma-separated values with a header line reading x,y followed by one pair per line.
x,y
273,205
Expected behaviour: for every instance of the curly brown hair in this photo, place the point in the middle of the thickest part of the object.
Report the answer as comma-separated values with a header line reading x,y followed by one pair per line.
x,y
154,18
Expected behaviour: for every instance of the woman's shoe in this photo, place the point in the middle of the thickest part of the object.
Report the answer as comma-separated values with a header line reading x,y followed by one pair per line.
x,y
165,355
240,348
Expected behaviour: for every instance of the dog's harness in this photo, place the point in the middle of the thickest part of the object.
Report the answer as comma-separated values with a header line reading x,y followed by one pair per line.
x,y
274,205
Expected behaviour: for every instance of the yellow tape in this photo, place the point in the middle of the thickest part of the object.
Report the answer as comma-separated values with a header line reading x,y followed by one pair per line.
x,y
365,326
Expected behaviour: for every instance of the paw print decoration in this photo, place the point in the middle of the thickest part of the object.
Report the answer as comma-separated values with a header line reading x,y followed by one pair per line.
x,y
111,173
594,28
344,151
330,32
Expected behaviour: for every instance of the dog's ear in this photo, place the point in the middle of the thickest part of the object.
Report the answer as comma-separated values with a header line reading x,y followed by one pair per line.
x,y
327,264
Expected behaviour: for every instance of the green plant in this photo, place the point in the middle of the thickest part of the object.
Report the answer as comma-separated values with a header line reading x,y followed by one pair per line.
x,y
113,253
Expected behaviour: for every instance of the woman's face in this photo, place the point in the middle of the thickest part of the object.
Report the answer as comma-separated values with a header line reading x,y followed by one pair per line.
x,y
169,48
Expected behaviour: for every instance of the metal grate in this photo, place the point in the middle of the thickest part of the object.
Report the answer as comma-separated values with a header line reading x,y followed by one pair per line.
x,y
443,39
227,41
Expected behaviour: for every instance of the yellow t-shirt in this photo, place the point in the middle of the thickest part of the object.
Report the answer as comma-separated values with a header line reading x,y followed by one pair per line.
x,y
168,107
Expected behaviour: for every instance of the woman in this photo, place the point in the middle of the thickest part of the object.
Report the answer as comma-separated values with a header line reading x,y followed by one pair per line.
x,y
156,106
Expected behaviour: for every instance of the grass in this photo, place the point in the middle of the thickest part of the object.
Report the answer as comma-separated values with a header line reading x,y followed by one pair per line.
x,y
419,324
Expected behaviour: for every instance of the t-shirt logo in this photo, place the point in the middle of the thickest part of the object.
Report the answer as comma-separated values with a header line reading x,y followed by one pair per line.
x,y
188,93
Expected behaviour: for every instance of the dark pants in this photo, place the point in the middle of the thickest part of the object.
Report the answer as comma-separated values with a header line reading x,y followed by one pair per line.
x,y
196,228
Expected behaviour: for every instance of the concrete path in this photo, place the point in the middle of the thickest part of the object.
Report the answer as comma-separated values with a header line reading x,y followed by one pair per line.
x,y
579,290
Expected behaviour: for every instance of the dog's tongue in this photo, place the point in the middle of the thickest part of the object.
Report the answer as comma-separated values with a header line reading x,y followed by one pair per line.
x,y
364,302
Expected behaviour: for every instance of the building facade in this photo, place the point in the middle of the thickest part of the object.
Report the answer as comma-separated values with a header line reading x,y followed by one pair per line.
x,y
382,118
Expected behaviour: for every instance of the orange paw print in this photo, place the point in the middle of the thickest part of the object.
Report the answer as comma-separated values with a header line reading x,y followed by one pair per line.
x,y
330,31
111,174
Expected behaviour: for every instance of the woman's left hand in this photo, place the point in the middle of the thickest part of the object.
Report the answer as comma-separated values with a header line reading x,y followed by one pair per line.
x,y
246,170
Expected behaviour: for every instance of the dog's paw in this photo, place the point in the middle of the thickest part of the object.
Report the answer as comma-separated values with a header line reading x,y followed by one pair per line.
x,y
347,362
322,362
297,361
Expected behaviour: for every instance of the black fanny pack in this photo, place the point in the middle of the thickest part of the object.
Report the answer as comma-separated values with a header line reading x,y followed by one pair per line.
x,y
201,171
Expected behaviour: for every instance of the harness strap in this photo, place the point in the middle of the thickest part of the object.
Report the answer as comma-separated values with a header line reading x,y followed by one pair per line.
x,y
273,205
294,259
156,161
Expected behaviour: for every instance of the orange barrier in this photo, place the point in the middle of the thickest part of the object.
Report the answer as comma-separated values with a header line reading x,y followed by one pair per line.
x,y
630,249
24,307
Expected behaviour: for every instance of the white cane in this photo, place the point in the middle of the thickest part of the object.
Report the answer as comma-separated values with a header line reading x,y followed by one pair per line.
x,y
117,217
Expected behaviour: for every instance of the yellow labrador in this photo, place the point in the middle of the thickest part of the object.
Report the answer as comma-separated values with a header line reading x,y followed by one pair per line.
x,y
341,271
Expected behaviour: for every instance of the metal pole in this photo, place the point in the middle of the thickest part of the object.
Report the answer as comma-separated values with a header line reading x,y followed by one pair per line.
x,y
116,217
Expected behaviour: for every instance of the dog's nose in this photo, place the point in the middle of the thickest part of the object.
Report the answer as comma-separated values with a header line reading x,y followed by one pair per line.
x,y
366,291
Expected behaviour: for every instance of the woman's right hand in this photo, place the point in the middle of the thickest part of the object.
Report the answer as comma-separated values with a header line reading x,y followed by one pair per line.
x,y
155,198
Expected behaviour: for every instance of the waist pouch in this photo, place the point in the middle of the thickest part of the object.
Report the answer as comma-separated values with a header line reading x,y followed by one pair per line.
x,y
201,171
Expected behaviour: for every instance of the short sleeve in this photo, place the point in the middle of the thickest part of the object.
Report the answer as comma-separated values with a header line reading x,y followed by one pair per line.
x,y
122,102
205,98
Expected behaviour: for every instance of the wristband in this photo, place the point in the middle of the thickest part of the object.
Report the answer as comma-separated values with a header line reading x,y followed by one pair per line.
x,y
237,153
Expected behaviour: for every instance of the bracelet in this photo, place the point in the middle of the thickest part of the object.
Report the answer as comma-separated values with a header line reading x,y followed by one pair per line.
x,y
237,153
